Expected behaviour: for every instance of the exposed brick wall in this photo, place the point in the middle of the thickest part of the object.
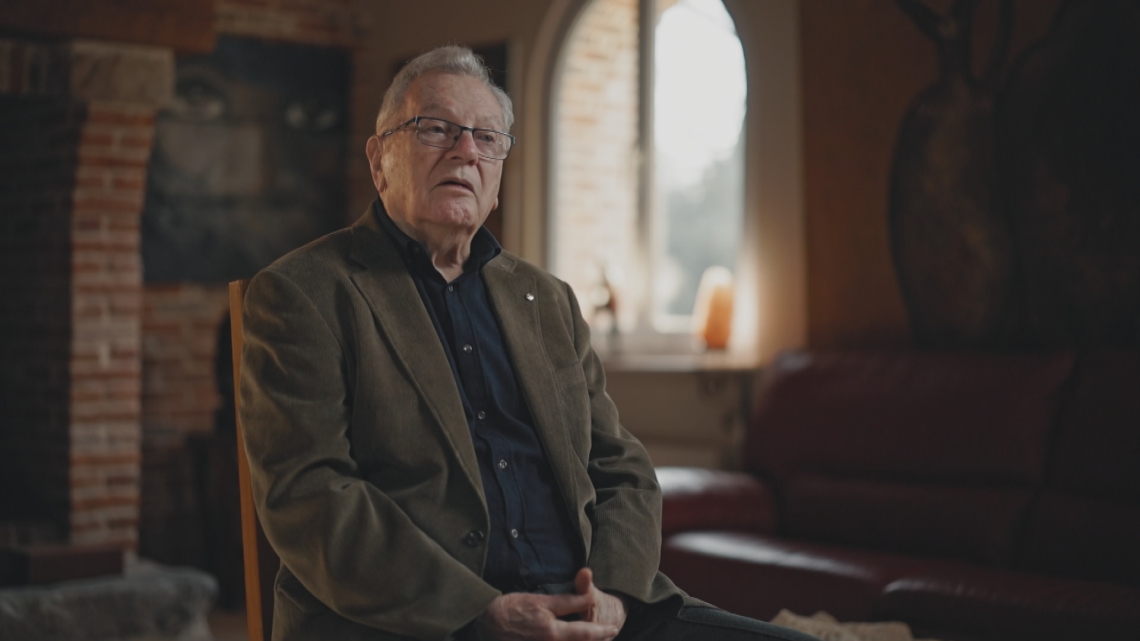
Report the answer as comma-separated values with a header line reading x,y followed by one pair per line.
x,y
180,323
595,224
114,147
179,398
318,22
180,328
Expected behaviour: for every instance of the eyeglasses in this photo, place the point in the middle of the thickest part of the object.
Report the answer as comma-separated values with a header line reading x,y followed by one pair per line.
x,y
437,132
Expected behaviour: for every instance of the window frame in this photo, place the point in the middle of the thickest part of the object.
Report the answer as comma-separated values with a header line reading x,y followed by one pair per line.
x,y
771,302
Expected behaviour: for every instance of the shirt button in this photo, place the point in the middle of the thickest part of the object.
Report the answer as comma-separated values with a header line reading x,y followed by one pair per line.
x,y
467,349
481,415
451,288
503,464
514,533
473,538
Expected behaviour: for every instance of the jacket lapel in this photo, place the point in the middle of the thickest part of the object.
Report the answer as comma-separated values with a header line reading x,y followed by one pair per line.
x,y
514,298
399,311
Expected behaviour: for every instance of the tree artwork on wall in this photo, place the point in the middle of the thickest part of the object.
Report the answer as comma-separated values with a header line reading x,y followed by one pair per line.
x,y
249,160
1015,201
949,235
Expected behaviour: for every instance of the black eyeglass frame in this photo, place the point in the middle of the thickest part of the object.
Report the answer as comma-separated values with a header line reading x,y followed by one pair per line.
x,y
416,121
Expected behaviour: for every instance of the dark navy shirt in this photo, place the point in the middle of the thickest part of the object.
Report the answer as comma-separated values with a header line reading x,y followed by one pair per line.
x,y
532,540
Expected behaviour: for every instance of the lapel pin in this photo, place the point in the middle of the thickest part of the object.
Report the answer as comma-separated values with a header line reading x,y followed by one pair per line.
x,y
529,296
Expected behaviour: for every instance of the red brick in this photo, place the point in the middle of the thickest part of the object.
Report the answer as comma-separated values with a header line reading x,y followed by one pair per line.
x,y
87,224
127,203
124,225
97,138
92,459
91,159
129,182
116,481
103,502
89,244
86,396
91,369
106,116
91,182
123,525
136,141
83,482
85,527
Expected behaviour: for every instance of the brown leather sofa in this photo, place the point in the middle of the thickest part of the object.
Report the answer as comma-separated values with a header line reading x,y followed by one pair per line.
x,y
975,497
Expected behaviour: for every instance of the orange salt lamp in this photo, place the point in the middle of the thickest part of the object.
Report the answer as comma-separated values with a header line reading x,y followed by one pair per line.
x,y
712,314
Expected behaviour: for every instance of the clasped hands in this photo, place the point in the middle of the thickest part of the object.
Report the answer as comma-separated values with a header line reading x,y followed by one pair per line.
x,y
522,616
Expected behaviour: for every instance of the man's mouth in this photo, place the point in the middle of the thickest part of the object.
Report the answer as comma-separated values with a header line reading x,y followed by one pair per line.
x,y
458,182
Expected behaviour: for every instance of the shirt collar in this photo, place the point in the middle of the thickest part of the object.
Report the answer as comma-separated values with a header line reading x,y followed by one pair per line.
x,y
484,245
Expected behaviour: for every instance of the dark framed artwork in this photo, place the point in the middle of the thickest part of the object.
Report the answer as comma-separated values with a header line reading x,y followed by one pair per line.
x,y
249,161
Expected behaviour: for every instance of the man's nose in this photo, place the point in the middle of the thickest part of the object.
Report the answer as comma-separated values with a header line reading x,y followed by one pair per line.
x,y
465,145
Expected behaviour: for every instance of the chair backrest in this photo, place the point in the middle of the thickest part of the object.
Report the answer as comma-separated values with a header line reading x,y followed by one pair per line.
x,y
261,562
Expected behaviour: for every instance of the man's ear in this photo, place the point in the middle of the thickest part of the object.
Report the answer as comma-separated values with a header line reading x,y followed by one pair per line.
x,y
374,149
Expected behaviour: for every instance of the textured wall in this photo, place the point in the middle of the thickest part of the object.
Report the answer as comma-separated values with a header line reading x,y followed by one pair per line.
x,y
864,62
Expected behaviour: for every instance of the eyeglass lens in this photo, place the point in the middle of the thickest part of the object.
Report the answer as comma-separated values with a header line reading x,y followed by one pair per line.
x,y
441,133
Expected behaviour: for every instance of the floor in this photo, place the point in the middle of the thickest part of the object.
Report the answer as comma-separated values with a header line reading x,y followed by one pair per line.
x,y
228,625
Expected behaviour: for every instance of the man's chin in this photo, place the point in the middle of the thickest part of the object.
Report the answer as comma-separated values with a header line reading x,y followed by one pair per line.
x,y
457,218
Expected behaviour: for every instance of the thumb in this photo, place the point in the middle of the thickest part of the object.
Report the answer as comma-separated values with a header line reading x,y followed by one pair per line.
x,y
583,581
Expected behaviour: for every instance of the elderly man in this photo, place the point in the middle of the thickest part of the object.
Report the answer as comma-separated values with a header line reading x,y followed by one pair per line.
x,y
432,448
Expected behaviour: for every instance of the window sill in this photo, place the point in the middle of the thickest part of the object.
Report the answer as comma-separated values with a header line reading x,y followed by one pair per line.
x,y
676,362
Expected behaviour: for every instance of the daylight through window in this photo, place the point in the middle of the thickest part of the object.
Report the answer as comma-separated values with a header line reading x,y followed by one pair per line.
x,y
648,196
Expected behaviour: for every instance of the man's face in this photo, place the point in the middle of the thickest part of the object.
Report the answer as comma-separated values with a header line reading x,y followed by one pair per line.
x,y
439,190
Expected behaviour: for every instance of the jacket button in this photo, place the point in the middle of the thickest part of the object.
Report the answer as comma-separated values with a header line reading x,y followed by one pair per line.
x,y
474,538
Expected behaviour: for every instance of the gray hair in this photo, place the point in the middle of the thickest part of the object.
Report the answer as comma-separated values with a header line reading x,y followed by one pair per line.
x,y
451,59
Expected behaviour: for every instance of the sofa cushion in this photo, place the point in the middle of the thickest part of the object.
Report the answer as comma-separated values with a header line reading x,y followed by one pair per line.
x,y
998,604
1097,442
699,499
967,523
916,417
757,575
1086,524
1085,538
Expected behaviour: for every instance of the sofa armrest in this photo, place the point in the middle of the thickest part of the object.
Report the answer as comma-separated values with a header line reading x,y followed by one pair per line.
x,y
700,499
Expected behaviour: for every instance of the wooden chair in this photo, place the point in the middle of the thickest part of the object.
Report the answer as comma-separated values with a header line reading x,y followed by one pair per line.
x,y
261,562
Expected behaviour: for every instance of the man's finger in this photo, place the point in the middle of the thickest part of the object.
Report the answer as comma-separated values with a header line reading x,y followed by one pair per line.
x,y
583,631
583,581
563,604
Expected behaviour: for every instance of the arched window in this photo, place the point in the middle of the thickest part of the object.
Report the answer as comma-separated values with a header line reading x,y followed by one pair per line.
x,y
649,109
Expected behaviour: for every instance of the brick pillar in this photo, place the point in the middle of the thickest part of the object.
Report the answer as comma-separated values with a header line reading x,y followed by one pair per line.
x,y
80,116
106,292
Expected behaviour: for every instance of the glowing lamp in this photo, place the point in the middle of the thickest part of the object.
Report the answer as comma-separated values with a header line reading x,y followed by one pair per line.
x,y
712,314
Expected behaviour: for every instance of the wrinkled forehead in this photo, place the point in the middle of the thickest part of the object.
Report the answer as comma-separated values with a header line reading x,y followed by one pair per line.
x,y
462,99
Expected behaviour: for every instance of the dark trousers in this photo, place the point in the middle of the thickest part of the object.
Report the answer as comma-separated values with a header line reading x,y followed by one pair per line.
x,y
701,624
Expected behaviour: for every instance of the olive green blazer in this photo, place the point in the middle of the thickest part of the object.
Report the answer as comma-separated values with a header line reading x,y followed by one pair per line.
x,y
364,473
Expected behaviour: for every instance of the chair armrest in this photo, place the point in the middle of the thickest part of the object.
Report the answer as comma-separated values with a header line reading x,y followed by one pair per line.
x,y
700,499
